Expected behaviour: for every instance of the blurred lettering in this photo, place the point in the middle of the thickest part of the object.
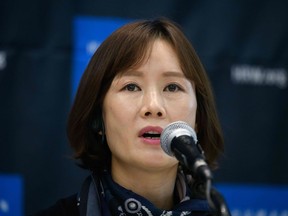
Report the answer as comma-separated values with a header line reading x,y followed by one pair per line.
x,y
257,75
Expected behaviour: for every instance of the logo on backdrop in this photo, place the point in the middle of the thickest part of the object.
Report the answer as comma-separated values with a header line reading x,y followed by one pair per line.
x,y
11,195
4,206
259,76
3,60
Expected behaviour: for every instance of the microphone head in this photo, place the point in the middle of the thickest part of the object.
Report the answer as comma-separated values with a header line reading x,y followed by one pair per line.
x,y
172,130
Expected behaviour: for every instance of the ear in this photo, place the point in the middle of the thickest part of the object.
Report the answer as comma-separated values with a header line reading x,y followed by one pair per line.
x,y
97,126
94,125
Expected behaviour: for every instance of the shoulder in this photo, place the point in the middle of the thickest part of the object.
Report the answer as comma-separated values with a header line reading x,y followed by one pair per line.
x,y
63,207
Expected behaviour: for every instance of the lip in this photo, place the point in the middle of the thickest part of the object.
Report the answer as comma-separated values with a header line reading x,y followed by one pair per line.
x,y
156,129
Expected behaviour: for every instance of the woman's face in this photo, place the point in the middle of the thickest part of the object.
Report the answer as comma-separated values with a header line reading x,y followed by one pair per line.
x,y
140,103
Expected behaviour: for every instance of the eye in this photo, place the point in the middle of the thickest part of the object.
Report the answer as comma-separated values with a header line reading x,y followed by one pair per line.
x,y
131,87
172,88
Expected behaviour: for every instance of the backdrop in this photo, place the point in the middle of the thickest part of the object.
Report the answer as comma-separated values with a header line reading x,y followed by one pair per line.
x,y
44,48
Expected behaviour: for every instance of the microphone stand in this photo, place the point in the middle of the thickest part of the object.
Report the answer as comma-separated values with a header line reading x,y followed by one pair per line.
x,y
215,199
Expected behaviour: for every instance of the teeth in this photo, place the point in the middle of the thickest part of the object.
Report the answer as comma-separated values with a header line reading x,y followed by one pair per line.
x,y
152,132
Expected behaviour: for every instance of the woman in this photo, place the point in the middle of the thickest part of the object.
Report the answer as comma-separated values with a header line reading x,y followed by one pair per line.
x,y
144,76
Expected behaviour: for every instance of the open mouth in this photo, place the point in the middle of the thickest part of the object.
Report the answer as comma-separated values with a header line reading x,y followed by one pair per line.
x,y
151,135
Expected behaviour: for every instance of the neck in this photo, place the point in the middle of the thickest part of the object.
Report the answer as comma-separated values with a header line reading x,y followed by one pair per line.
x,y
157,187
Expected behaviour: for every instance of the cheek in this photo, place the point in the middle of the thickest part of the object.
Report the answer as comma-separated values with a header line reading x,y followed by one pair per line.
x,y
193,115
117,112
113,119
192,106
117,117
186,111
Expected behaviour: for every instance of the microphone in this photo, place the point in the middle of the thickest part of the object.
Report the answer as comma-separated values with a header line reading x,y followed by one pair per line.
x,y
179,140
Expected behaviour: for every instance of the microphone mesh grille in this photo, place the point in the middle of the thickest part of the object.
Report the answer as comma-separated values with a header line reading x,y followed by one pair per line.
x,y
172,130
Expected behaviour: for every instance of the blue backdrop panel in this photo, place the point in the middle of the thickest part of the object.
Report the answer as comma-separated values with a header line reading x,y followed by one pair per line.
x,y
11,195
255,200
89,32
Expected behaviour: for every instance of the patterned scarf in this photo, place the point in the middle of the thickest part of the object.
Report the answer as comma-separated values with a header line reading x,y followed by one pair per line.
x,y
123,202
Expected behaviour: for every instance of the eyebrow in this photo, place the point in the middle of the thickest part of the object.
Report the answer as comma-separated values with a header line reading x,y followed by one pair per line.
x,y
132,73
174,74
165,74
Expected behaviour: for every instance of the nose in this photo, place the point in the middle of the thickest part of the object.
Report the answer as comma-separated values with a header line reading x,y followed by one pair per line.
x,y
153,105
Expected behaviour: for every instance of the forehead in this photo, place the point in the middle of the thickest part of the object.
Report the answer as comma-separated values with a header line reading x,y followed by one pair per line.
x,y
160,57
156,49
